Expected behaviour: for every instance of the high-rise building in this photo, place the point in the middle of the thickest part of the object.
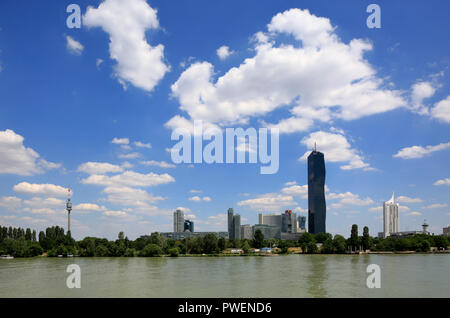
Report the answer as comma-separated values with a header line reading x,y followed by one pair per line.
x,y
270,219
390,217
316,192
446,231
230,222
237,227
188,226
288,222
234,225
246,232
301,222
269,231
178,221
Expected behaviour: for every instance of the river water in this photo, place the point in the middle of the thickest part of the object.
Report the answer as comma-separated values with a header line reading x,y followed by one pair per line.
x,y
420,275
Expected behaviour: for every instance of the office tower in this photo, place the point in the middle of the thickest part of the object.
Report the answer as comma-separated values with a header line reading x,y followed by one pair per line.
x,y
230,223
446,231
288,222
246,232
269,231
270,219
390,217
316,192
178,221
237,226
301,222
188,226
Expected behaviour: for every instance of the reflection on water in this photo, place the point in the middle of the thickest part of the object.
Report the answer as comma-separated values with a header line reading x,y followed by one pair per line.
x,y
274,276
317,275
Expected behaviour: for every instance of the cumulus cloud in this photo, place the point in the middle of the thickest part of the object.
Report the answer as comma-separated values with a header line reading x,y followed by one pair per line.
x,y
421,91
161,164
88,207
321,79
196,198
15,158
120,141
142,145
445,181
40,189
98,168
10,203
129,196
73,46
436,206
348,198
419,151
131,155
405,199
296,190
126,22
269,202
336,148
224,52
129,179
441,110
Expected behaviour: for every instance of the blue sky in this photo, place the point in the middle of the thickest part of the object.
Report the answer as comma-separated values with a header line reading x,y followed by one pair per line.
x,y
376,101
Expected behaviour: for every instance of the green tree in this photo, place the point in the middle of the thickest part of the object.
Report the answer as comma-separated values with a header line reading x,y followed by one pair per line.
x,y
366,240
174,251
354,239
210,243
339,244
245,247
305,240
258,239
151,250
222,244
322,237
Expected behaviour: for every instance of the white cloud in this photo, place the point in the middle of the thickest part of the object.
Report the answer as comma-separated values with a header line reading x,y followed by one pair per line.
x,y
126,22
45,202
269,202
445,181
161,164
296,190
11,203
40,189
348,198
98,62
116,213
195,191
289,76
415,213
129,179
88,207
15,158
120,141
419,151
421,91
336,148
224,52
436,206
73,46
127,196
142,145
131,155
98,168
405,199
441,110
196,198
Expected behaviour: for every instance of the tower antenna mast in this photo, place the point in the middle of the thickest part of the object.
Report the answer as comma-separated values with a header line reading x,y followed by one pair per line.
x,y
68,208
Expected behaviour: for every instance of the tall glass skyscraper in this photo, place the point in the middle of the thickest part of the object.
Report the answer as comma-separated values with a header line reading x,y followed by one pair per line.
x,y
316,193
178,221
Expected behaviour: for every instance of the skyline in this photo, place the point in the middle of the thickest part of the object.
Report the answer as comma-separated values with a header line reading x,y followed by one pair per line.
x,y
77,111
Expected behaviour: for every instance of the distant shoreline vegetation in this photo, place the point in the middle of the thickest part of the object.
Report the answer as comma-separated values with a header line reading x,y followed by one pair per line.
x,y
54,242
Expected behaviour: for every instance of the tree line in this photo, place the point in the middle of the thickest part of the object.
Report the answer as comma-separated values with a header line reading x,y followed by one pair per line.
x,y
53,242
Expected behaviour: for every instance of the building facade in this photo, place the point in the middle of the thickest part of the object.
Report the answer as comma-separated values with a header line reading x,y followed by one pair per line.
x,y
301,222
188,225
234,225
270,219
268,231
390,217
246,232
446,231
289,222
185,235
178,221
316,193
